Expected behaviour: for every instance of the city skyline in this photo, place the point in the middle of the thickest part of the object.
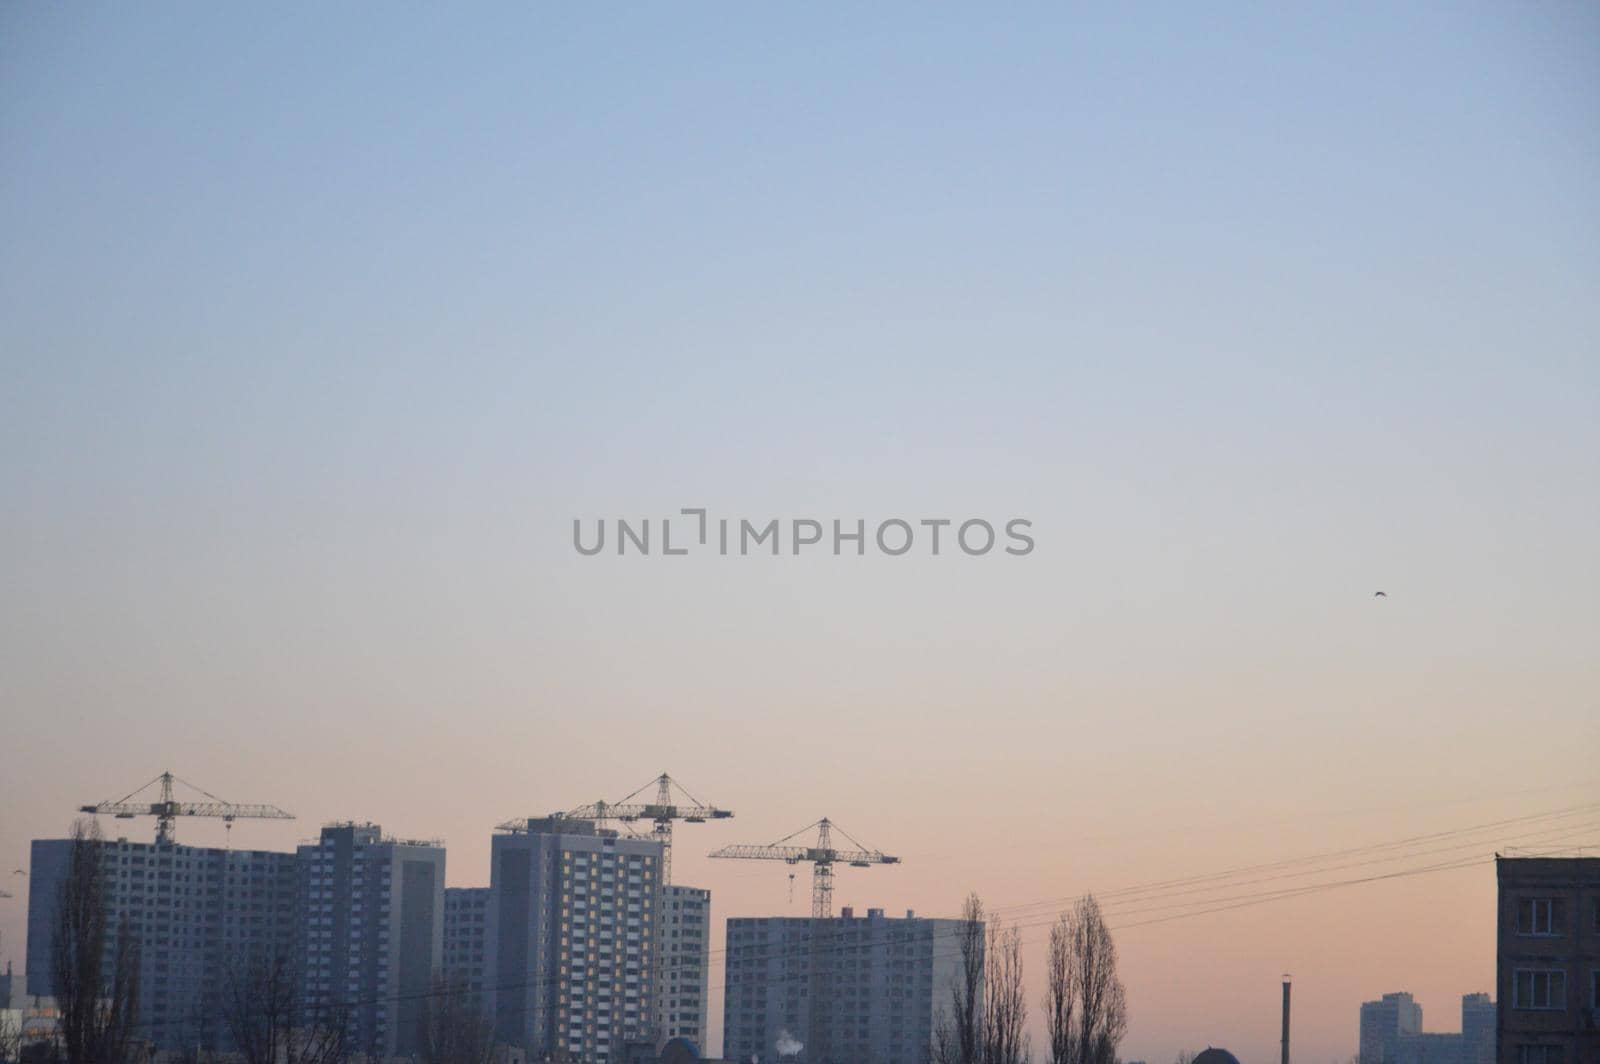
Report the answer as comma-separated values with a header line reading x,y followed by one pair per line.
x,y
1456,850
320,328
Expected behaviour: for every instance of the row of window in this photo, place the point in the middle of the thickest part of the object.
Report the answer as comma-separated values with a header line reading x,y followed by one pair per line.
x,y
1547,917
1546,988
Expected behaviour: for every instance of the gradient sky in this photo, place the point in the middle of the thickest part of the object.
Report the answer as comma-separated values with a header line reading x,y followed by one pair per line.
x,y
320,325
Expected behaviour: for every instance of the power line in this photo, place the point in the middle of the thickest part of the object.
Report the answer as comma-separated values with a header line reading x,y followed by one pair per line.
x,y
1164,886
1135,901
1194,908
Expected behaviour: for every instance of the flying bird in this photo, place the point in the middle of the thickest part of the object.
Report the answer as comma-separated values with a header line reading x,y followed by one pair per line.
x,y
1380,594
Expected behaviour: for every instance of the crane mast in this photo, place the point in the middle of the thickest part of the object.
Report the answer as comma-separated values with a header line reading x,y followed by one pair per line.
x,y
822,857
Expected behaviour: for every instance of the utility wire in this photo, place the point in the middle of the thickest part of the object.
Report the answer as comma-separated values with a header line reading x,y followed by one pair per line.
x,y
1197,907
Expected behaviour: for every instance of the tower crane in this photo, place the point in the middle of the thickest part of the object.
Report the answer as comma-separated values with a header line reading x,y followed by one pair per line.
x,y
661,813
167,809
822,857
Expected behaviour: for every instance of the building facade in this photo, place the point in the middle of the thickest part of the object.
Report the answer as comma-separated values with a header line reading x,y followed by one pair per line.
x,y
685,963
1548,964
372,933
576,938
469,937
837,990
197,915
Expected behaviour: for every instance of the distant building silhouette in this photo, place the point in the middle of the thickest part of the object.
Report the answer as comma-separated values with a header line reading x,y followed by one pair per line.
x,y
1383,1023
1391,1033
1477,1029
1430,1047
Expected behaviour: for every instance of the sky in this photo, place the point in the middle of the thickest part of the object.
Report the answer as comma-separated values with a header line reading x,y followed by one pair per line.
x,y
319,327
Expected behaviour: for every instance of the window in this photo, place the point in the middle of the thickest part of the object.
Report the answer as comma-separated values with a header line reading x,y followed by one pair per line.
x,y
1539,1055
1539,916
1539,988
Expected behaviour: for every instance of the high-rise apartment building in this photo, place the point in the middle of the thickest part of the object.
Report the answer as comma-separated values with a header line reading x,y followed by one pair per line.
x,y
1548,966
1391,1031
372,932
575,912
1383,1023
1477,1029
469,937
837,990
685,930
197,915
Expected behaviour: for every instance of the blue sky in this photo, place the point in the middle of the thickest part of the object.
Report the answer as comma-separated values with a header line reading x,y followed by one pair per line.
x,y
319,326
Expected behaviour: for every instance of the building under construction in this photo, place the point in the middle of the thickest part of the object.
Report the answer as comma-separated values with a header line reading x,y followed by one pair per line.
x,y
191,910
835,990
581,947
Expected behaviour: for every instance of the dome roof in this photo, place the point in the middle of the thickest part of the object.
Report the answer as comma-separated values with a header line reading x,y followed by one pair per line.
x,y
1215,1056
679,1051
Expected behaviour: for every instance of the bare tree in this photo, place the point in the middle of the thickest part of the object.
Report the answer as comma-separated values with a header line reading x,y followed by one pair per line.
x,y
453,1027
10,1037
988,1013
269,1022
10,1032
98,1008
1086,1012
370,1042
958,1034
1061,995
1005,1003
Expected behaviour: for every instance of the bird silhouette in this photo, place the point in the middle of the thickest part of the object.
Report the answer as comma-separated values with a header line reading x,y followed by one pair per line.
x,y
1380,594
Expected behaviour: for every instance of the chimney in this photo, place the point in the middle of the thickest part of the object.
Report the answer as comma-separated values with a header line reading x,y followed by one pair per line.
x,y
1285,1019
